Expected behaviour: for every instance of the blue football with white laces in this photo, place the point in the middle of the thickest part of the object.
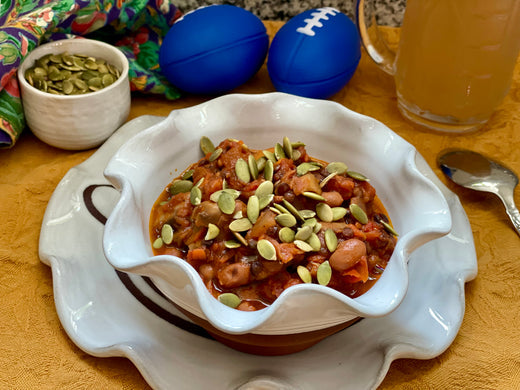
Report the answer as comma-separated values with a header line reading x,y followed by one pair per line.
x,y
314,54
213,49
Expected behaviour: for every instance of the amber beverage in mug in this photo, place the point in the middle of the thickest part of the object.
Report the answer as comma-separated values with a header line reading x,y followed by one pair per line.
x,y
454,62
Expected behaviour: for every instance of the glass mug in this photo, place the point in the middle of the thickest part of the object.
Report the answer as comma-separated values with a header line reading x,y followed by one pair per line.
x,y
454,62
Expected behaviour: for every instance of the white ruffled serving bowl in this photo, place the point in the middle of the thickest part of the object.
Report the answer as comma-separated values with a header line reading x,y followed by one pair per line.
x,y
146,163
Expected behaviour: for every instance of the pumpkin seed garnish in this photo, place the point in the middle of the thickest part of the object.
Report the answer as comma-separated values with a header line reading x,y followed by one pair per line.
x,y
238,215
269,155
266,249
310,222
240,239
357,176
264,201
331,240
253,208
260,163
317,227
180,186
226,203
297,144
296,154
287,147
206,145
234,194
201,180
231,244
279,153
324,273
158,243
215,195
303,245
195,196
327,178
324,212
275,210
303,233
240,225
229,299
253,167
314,242
231,191
293,210
212,232
167,234
313,195
242,171
286,235
337,167
265,188
338,213
305,168
305,214
215,154
389,228
358,213
188,174
268,170
282,209
287,220
304,274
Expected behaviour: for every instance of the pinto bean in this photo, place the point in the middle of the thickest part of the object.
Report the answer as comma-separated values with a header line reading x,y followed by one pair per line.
x,y
205,213
263,269
347,254
234,275
206,271
332,198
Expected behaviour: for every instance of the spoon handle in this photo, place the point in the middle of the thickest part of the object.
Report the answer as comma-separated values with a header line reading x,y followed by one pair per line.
x,y
514,214
507,196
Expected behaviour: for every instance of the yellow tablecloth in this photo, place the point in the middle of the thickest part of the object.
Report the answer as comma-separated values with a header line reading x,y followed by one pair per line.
x,y
35,352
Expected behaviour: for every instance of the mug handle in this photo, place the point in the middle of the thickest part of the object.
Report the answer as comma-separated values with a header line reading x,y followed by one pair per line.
x,y
375,45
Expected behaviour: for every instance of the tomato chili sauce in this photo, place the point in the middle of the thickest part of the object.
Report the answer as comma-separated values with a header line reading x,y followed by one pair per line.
x,y
337,233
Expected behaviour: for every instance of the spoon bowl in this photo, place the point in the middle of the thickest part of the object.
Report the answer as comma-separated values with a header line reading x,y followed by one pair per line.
x,y
474,171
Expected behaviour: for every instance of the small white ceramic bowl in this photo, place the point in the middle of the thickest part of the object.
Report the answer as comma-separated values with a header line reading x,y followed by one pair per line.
x,y
145,164
76,122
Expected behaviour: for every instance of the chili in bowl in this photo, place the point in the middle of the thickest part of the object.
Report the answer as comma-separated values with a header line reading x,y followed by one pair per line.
x,y
256,222
290,246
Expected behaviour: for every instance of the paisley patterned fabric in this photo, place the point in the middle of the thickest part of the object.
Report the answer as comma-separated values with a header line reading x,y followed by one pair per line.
x,y
135,26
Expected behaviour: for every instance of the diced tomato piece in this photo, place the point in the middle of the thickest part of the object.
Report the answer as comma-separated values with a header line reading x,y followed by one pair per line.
x,y
358,273
307,182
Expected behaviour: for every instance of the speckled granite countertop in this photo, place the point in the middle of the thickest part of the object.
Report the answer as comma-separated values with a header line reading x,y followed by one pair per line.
x,y
389,11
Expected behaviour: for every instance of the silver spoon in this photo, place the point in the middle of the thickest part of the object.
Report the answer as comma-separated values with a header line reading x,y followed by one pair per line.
x,y
474,171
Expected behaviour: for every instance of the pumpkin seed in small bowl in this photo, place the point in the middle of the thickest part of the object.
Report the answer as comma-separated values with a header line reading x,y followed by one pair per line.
x,y
75,92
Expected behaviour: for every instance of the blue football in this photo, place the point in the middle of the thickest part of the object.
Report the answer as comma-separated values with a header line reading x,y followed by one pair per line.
x,y
314,54
213,49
